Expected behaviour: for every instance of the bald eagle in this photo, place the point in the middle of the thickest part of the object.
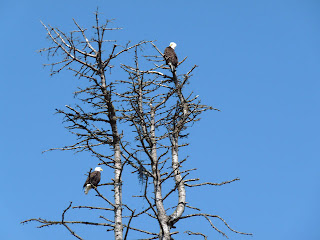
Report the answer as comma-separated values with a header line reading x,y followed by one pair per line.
x,y
171,56
93,179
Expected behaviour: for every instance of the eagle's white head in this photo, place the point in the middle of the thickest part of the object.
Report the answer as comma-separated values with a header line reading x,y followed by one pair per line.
x,y
98,169
173,45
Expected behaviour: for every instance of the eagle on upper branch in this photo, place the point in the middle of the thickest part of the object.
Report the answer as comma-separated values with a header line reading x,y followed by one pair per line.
x,y
171,56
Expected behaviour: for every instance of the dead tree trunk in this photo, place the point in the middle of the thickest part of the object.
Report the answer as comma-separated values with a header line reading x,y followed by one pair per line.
x,y
118,228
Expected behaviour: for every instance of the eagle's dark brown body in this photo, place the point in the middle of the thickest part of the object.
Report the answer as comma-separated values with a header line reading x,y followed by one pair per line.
x,y
171,58
94,178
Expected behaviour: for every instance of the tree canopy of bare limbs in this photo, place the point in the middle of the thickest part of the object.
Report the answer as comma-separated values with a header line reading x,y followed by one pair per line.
x,y
136,124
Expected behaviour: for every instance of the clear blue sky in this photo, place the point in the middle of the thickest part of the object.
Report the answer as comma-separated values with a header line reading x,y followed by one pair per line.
x,y
259,63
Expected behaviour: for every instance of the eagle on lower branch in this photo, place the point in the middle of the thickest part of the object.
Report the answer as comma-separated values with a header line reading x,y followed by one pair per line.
x,y
171,56
92,180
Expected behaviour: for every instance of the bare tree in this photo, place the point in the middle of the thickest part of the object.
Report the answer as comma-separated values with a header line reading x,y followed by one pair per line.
x,y
151,102
98,126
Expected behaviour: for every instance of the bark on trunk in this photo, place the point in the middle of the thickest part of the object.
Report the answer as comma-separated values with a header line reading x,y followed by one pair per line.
x,y
162,216
174,217
118,228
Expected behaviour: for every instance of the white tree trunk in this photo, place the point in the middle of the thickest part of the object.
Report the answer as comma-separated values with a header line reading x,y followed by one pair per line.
x,y
118,228
162,216
174,217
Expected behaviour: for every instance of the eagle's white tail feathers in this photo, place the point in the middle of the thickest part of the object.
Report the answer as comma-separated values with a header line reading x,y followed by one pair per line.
x,y
173,69
87,188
